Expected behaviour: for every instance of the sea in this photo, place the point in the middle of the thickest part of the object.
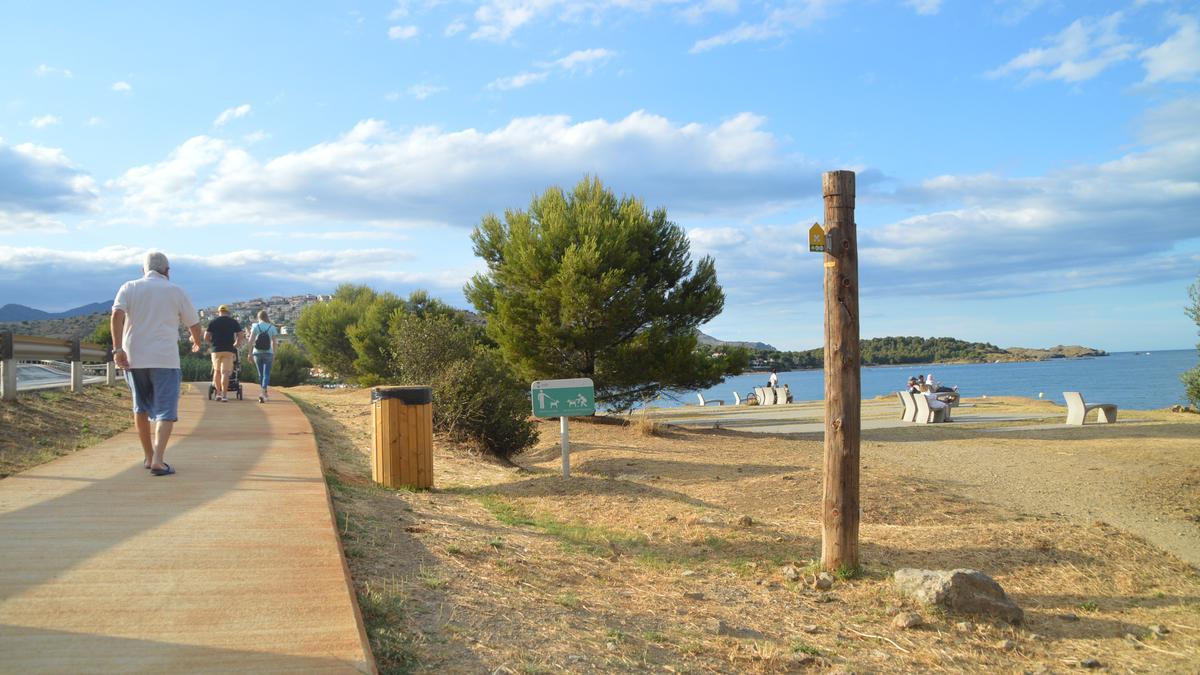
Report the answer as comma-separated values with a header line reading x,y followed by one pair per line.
x,y
1132,380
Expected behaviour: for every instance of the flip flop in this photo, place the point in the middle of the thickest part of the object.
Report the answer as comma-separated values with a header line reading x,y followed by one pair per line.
x,y
167,470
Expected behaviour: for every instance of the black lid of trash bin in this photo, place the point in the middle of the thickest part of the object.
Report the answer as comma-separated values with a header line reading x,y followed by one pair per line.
x,y
409,395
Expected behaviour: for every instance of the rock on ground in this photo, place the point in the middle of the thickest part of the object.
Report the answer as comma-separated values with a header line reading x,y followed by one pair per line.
x,y
963,590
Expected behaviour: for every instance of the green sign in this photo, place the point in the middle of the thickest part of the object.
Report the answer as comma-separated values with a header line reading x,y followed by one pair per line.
x,y
563,398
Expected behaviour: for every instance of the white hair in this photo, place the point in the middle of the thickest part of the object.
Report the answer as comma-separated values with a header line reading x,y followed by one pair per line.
x,y
155,261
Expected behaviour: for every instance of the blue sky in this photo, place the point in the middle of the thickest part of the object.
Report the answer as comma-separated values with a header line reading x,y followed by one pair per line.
x,y
1028,170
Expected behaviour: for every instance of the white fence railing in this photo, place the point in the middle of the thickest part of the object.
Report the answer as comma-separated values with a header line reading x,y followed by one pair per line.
x,y
51,353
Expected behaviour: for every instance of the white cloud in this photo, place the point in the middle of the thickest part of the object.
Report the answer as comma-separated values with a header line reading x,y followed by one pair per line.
x,y
231,114
44,70
44,121
696,12
454,28
403,32
709,238
924,7
1015,11
256,137
517,81
780,21
583,59
1125,221
37,182
423,91
122,86
1178,58
208,279
428,176
498,20
93,121
1080,52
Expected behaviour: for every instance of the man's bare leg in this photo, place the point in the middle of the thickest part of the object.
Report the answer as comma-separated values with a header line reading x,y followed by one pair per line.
x,y
216,381
162,434
142,422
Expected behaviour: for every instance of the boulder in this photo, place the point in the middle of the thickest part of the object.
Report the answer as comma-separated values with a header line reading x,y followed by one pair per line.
x,y
963,590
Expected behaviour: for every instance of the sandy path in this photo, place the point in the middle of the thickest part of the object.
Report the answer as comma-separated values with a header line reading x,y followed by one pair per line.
x,y
1142,478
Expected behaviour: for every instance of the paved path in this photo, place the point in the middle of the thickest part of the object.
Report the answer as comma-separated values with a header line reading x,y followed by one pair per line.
x,y
231,565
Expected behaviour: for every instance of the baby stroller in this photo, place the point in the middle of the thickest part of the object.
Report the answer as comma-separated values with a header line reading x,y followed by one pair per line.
x,y
235,381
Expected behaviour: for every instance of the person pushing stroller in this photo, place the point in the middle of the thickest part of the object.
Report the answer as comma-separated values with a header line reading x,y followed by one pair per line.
x,y
225,335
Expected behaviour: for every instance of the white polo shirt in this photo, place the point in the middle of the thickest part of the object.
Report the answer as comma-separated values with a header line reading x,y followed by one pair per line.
x,y
154,307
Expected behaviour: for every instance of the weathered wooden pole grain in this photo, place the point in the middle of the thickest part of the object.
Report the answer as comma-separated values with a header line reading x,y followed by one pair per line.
x,y
843,387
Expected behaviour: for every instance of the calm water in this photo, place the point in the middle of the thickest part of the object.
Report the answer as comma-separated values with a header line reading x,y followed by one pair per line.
x,y
1132,380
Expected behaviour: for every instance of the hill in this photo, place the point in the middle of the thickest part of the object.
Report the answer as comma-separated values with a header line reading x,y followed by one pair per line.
x,y
14,312
711,341
887,351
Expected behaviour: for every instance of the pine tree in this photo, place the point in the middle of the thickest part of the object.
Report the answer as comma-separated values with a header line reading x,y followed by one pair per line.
x,y
584,284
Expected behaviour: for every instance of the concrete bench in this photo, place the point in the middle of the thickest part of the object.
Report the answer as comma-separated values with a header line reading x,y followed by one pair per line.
x,y
1077,410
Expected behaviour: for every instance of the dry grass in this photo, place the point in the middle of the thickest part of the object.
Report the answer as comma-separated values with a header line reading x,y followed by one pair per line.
x,y
503,569
39,426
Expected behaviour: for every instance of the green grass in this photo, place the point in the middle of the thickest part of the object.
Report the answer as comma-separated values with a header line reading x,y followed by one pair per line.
x,y
572,536
847,572
384,611
568,600
431,579
1089,606
799,647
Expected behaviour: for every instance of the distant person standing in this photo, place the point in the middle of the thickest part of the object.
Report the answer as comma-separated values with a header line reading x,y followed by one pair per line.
x,y
773,381
225,335
146,316
263,337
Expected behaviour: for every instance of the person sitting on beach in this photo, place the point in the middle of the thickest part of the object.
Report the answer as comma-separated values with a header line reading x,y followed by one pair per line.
x,y
937,386
934,402
914,387
788,392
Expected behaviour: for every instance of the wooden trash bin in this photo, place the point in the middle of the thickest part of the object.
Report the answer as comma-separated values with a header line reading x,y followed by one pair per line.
x,y
403,436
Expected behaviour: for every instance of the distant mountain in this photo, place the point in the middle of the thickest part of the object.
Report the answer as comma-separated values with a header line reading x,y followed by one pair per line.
x,y
13,312
714,342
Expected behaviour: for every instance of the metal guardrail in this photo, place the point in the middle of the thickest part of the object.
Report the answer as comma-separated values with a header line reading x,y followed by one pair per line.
x,y
14,348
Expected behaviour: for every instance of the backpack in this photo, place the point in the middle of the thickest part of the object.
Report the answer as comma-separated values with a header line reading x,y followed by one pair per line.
x,y
263,342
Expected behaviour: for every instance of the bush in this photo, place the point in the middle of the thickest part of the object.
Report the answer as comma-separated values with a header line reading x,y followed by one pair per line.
x,y
476,396
478,399
196,368
1191,385
291,366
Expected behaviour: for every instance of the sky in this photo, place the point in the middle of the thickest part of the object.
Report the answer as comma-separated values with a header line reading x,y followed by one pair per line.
x,y
1028,171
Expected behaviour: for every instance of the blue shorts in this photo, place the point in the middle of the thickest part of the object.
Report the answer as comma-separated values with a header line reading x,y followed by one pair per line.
x,y
155,392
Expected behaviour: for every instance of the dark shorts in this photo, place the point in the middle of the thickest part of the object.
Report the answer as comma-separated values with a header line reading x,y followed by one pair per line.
x,y
155,392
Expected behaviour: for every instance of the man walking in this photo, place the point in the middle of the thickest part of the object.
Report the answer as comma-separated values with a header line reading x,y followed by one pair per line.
x,y
146,316
225,335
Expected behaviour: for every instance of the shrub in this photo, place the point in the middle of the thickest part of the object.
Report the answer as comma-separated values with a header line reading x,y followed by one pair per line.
x,y
291,366
476,396
478,399
1191,385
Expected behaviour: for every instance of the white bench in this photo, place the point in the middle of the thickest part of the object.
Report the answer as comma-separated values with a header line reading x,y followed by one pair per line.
x,y
1077,410
714,400
926,413
909,413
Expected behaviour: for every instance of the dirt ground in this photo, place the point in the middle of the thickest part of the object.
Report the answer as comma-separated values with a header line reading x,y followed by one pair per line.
x,y
630,564
41,425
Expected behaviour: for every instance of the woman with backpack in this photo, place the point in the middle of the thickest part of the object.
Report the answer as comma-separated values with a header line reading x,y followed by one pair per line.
x,y
262,337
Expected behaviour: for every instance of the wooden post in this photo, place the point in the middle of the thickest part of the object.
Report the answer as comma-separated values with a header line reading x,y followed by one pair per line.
x,y
843,386
8,368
